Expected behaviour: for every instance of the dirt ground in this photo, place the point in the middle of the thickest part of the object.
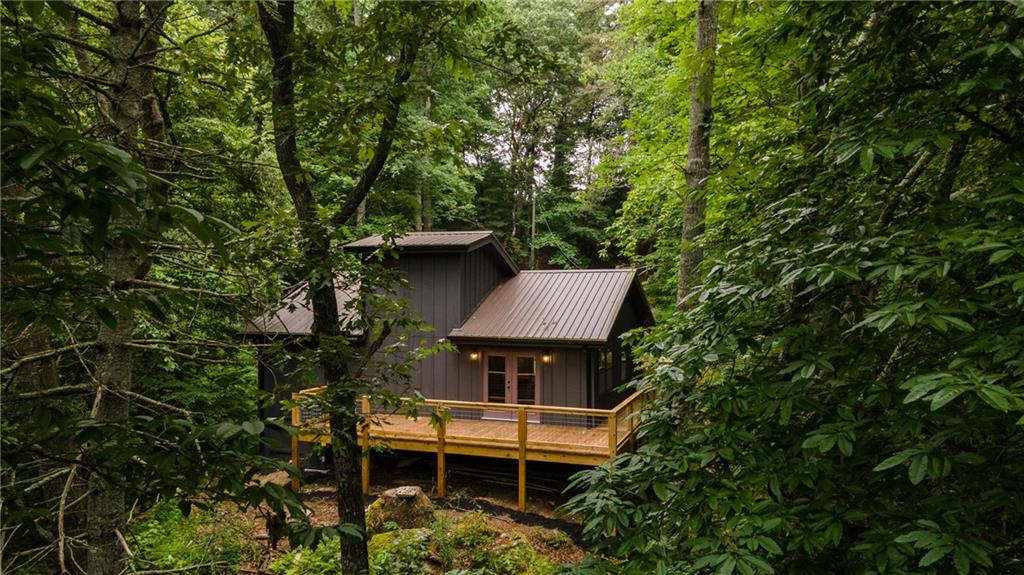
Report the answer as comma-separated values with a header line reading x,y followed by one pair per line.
x,y
474,486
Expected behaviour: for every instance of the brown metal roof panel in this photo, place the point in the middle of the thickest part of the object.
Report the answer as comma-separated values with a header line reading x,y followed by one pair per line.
x,y
441,241
425,240
615,292
573,323
554,305
295,316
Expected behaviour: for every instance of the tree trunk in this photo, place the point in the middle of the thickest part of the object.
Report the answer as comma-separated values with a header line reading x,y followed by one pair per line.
x,y
278,23
428,218
698,150
278,28
132,36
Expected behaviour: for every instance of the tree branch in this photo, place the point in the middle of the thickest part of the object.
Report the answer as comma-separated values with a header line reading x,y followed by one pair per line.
x,y
62,390
74,7
951,166
385,139
79,44
43,355
183,355
999,133
372,349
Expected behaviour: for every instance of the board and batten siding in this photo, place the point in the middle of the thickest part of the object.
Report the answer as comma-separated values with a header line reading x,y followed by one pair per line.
x,y
563,382
622,362
480,275
435,296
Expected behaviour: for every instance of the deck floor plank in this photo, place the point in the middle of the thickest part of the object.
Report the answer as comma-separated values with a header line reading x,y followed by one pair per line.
x,y
586,439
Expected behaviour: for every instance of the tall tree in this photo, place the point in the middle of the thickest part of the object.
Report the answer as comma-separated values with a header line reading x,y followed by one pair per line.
x,y
698,151
396,33
87,214
867,421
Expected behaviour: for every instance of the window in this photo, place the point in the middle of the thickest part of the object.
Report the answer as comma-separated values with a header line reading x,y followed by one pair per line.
x,y
626,364
604,371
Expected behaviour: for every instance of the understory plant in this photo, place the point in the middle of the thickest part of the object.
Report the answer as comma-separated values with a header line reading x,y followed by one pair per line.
x,y
845,391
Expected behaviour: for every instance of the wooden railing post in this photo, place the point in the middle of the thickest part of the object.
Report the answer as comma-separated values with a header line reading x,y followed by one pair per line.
x,y
522,458
442,413
613,437
296,422
365,440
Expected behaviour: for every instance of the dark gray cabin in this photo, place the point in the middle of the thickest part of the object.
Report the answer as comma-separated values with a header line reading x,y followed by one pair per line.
x,y
544,337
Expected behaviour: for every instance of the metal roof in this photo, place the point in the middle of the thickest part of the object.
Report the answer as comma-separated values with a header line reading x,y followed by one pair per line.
x,y
571,306
295,316
440,241
425,240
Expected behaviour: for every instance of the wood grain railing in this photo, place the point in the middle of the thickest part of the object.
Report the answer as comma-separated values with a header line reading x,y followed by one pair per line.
x,y
574,435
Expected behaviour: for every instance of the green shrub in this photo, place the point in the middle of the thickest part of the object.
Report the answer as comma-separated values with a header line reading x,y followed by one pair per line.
x,y
469,543
553,538
400,552
324,560
515,557
472,530
165,538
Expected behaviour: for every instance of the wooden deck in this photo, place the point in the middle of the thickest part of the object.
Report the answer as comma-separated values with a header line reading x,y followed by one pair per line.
x,y
525,432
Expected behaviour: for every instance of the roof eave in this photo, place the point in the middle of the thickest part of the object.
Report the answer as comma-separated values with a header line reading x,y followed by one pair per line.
x,y
483,340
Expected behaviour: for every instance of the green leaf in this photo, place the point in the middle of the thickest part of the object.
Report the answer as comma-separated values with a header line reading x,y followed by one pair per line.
x,y
662,491
944,396
894,460
996,396
106,317
769,544
918,467
962,562
813,441
934,555
33,157
253,427
1000,256
867,159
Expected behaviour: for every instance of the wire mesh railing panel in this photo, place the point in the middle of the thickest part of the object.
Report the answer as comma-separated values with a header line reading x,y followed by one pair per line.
x,y
547,428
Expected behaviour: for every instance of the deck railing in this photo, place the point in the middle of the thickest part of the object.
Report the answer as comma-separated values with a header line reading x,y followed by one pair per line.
x,y
574,435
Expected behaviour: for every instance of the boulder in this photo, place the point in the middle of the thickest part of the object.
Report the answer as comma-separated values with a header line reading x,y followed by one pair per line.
x,y
406,507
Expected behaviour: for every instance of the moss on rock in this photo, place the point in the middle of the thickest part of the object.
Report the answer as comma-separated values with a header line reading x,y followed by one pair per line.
x,y
402,507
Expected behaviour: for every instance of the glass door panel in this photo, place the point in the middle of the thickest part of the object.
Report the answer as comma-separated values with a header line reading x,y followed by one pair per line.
x,y
526,380
497,379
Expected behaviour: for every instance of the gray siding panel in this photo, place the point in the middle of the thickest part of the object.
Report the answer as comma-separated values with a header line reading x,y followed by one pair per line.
x,y
481,274
435,296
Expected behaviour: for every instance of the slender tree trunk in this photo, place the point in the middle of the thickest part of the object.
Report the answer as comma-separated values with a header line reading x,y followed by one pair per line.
x,y
698,150
951,166
278,22
424,219
533,227
428,218
417,214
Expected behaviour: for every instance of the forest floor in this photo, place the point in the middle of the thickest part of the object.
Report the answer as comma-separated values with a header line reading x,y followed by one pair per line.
x,y
477,487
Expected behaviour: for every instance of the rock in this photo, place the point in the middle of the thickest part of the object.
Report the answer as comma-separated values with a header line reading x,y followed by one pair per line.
x,y
277,477
406,507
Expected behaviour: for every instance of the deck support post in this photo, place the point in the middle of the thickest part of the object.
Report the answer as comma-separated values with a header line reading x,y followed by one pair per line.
x,y
442,413
522,459
613,438
365,440
296,421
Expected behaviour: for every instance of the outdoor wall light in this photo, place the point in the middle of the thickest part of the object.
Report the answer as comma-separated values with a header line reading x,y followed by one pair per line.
x,y
474,355
546,358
